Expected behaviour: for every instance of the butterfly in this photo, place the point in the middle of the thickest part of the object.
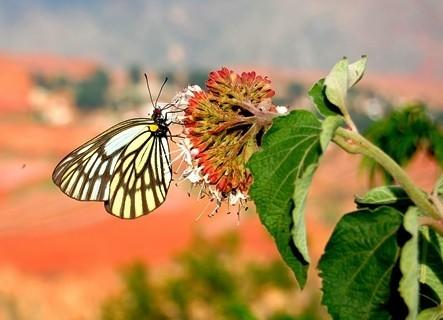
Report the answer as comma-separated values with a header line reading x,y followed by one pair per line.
x,y
128,166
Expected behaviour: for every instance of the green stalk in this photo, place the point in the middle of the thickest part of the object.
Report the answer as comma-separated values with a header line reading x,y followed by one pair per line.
x,y
432,223
349,121
355,143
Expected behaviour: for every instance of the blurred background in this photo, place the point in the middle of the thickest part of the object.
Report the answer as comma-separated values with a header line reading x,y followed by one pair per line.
x,y
71,69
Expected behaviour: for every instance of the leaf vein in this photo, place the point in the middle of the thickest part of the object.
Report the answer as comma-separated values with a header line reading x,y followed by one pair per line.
x,y
291,148
376,287
384,239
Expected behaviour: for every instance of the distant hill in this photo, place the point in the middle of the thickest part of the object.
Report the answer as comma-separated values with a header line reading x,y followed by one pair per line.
x,y
18,71
54,65
15,86
399,36
397,88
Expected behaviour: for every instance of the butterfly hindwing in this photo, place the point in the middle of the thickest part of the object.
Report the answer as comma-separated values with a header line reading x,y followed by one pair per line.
x,y
142,177
95,170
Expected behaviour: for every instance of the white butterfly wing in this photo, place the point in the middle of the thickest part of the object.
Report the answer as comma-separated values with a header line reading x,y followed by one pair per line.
x,y
96,170
141,178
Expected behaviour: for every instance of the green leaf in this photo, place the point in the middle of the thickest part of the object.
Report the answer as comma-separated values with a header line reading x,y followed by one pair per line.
x,y
409,266
282,171
336,83
431,261
300,192
431,314
328,127
358,263
321,103
356,71
385,195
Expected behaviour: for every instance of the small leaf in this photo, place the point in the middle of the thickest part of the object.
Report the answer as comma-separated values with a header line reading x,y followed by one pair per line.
x,y
321,103
409,265
385,195
280,171
336,83
356,71
300,192
431,263
431,314
358,263
328,126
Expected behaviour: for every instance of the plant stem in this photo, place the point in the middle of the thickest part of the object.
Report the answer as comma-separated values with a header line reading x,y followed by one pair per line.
x,y
350,122
355,143
434,224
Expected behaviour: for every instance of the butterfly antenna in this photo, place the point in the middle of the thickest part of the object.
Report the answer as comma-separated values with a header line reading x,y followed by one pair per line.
x,y
160,92
149,90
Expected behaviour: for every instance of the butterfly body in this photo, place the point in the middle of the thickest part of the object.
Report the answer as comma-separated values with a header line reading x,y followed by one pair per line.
x,y
128,167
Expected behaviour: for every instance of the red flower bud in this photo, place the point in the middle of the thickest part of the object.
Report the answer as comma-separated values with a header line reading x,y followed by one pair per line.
x,y
222,125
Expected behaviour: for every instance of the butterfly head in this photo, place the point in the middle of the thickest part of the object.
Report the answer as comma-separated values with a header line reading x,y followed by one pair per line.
x,y
160,120
157,114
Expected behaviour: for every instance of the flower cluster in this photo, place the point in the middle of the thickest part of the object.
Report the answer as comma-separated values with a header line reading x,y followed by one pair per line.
x,y
223,127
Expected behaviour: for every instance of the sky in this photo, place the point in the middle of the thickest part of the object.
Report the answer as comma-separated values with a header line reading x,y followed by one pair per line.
x,y
399,36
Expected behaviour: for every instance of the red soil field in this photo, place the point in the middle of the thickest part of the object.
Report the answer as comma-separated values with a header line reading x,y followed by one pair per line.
x,y
59,257
43,230
15,85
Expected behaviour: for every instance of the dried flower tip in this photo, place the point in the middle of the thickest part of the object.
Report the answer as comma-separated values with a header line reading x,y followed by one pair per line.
x,y
223,126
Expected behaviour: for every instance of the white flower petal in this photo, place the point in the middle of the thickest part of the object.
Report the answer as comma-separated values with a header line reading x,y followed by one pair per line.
x,y
282,109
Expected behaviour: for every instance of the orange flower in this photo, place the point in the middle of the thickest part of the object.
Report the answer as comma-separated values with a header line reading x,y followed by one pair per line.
x,y
223,127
